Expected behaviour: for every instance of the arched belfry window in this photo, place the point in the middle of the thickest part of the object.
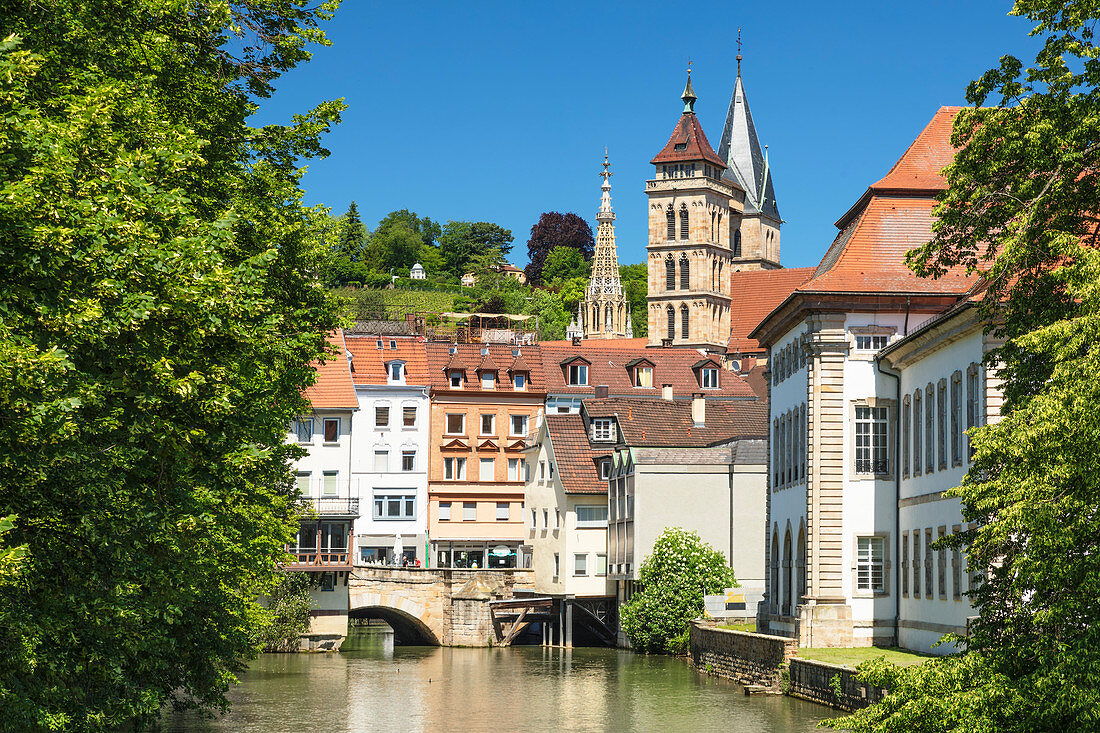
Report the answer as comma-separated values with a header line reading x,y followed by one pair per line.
x,y
685,273
671,223
607,318
685,230
595,317
737,242
670,273
671,323
685,322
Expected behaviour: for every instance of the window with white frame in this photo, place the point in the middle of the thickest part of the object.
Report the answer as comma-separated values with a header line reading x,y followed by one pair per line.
x,y
956,419
488,423
487,469
330,483
941,423
918,462
456,423
488,380
301,482
871,564
456,378
871,342
397,371
557,565
454,469
381,460
408,459
519,380
578,374
408,416
518,424
906,434
542,470
331,426
603,429
515,469
580,564
394,504
504,511
381,416
904,570
601,564
643,376
605,469
872,455
972,403
303,426
929,428
591,516
709,378
444,511
469,511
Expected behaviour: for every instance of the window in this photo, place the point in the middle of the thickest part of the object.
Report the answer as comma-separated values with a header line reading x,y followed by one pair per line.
x,y
381,460
328,582
941,564
601,564
709,378
603,429
928,592
592,516
504,511
956,419
488,380
685,229
390,505
303,426
916,563
444,511
456,423
971,403
534,518
872,342
580,564
929,429
469,511
941,422
917,463
905,563
671,323
518,425
670,219
871,446
519,380
956,568
643,376
685,322
605,469
551,469
906,429
542,470
488,423
578,374
408,417
737,242
397,371
381,417
332,429
301,482
870,564
454,469
685,274
408,460
546,521
670,272
515,469
456,379
329,487
486,469
557,565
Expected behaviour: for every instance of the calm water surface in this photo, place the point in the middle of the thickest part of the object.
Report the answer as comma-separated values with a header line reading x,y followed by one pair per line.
x,y
371,685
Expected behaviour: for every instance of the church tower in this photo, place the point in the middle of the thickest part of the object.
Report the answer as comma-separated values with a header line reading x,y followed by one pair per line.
x,y
693,212
755,246
605,312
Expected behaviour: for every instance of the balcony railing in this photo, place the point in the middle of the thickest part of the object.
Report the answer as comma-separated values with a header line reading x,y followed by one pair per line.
x,y
867,465
330,506
325,559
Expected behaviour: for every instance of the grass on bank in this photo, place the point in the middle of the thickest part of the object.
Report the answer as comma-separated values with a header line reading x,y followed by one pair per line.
x,y
854,656
750,627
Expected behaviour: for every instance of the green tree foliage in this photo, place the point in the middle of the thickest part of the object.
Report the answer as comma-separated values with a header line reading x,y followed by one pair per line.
x,y
681,570
635,280
352,234
554,230
157,324
289,604
478,247
398,247
563,264
1022,201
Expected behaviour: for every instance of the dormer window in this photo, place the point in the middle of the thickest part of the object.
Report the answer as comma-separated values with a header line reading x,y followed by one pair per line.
x,y
603,429
519,380
393,346
872,342
708,378
605,469
680,146
378,344
396,372
578,374
488,380
456,378
643,376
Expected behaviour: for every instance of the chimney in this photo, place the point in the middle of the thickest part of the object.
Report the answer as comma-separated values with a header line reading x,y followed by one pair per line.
x,y
698,409
666,392
576,340
666,343
601,391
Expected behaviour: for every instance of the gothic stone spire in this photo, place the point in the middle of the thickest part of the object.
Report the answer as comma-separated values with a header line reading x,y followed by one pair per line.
x,y
746,164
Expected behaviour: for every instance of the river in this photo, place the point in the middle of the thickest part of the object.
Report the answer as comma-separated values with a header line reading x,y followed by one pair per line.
x,y
371,685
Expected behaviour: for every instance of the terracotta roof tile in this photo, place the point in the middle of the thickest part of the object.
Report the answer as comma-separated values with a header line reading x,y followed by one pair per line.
x,y
919,168
576,459
756,294
688,142
333,389
469,357
665,423
369,362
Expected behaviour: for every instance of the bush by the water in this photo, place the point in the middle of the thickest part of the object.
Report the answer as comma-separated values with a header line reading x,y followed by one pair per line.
x,y
674,578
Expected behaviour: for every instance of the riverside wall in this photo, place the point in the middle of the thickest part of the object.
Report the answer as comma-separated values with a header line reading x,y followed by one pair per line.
x,y
813,680
748,658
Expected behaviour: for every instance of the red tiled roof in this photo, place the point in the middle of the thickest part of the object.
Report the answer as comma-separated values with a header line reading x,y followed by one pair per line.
x,y
333,389
576,460
369,362
919,168
469,357
688,142
632,343
668,423
607,366
756,293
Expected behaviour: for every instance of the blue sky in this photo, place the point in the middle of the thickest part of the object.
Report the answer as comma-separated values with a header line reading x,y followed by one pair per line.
x,y
500,111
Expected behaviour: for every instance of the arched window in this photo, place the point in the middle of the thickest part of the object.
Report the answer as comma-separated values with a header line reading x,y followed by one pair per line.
x,y
800,564
737,242
685,322
713,230
671,223
684,228
685,273
721,286
718,236
713,275
671,323
670,273
595,317
607,319
787,573
775,572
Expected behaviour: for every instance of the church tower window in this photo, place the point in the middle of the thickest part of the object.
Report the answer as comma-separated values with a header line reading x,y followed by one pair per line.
x,y
685,322
671,323
685,273
671,223
737,242
607,318
670,273
684,228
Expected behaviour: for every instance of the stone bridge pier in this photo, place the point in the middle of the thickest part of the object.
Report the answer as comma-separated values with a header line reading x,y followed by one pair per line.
x,y
445,606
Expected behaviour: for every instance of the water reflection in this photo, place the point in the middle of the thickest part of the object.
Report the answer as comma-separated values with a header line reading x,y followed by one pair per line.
x,y
373,686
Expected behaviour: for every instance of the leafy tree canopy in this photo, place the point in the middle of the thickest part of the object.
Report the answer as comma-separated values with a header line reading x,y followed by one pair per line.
x,y
554,230
477,247
681,570
563,264
158,319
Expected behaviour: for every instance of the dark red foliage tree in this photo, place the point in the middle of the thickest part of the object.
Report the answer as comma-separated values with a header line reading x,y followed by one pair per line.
x,y
556,230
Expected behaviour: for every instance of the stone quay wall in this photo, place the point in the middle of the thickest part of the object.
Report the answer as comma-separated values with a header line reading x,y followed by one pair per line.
x,y
812,680
748,658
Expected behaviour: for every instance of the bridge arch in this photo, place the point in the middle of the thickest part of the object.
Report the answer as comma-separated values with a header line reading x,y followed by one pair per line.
x,y
412,622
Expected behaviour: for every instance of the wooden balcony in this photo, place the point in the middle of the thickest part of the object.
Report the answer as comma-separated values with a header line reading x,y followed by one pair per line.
x,y
315,550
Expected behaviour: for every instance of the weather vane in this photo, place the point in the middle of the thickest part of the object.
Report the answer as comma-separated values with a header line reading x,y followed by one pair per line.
x,y
738,53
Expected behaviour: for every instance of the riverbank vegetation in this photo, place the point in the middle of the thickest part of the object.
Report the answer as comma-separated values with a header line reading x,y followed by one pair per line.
x,y
158,320
674,578
1021,210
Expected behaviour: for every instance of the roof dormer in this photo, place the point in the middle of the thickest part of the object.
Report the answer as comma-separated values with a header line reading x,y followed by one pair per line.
x,y
706,373
640,372
395,371
575,371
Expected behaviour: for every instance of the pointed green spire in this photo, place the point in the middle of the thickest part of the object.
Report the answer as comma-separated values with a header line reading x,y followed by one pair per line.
x,y
689,95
